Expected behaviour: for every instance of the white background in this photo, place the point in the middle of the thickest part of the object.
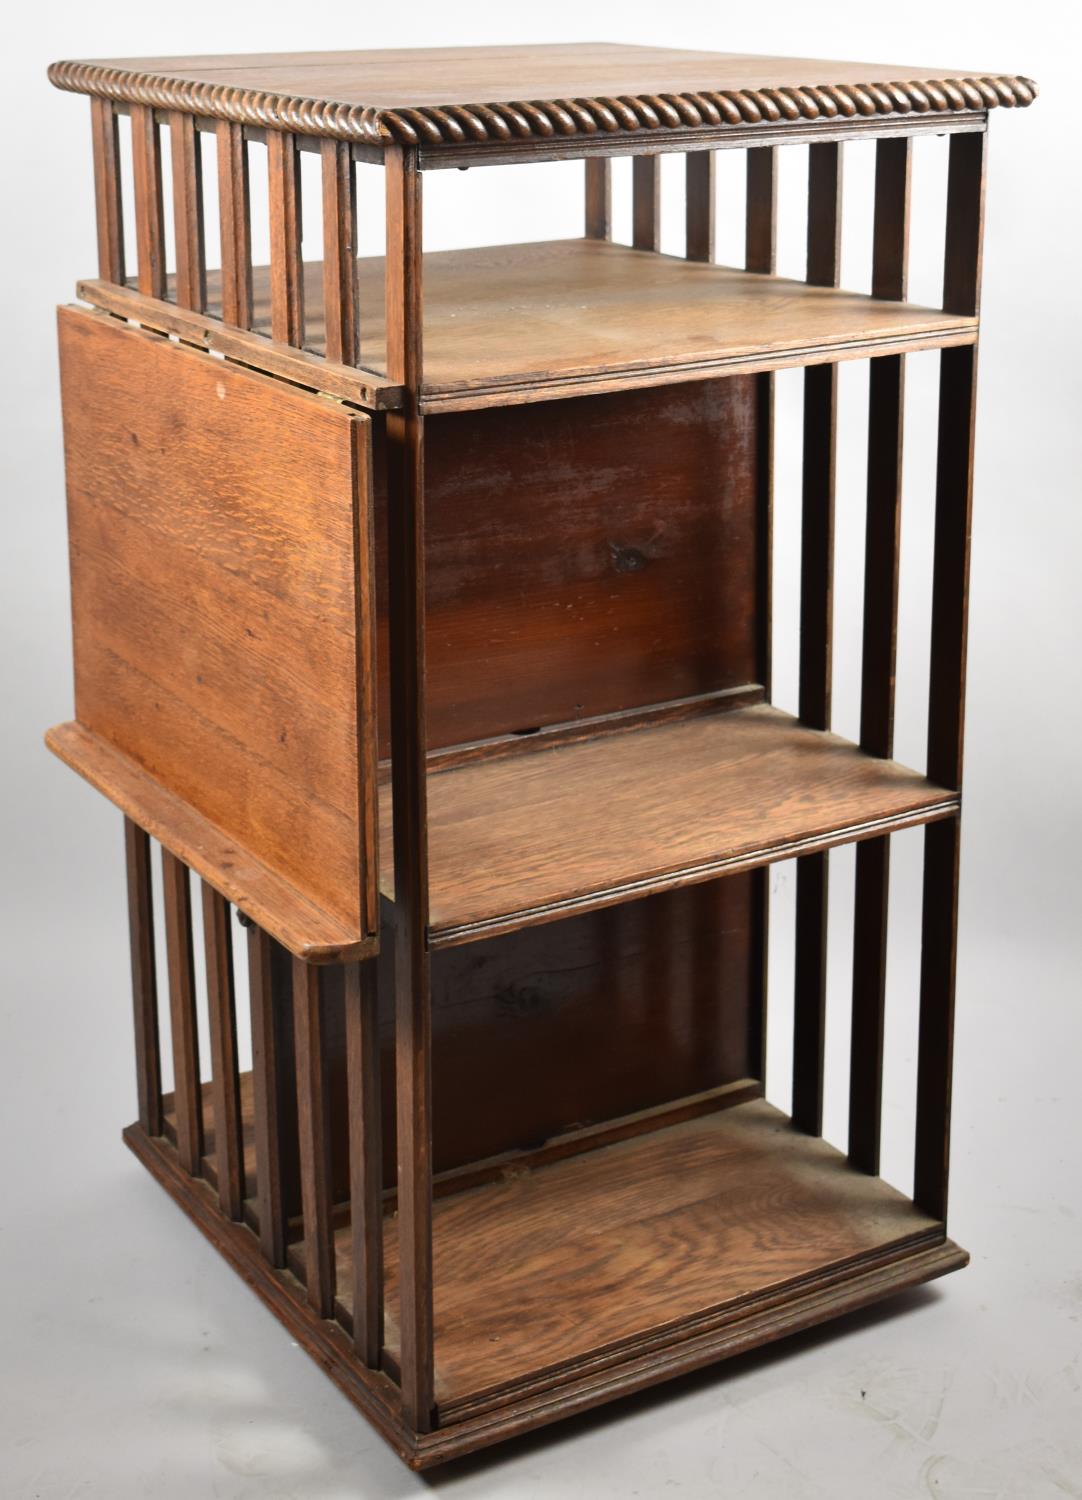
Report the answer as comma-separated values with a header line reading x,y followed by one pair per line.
x,y
132,1362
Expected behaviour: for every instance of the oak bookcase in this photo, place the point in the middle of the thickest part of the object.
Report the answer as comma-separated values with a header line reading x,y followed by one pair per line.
x,y
436,642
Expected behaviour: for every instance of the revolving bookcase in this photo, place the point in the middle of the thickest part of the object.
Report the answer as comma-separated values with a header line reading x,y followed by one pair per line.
x,y
432,637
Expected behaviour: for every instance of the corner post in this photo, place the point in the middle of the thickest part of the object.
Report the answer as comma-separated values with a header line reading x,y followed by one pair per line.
x,y
405,432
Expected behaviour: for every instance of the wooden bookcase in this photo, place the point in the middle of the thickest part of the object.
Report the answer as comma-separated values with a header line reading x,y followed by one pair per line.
x,y
433,637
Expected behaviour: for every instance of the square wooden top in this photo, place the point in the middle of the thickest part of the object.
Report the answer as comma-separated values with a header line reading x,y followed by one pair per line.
x,y
452,96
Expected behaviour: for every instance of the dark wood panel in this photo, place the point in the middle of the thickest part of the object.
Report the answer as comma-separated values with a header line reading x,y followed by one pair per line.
x,y
700,194
585,557
274,1093
366,1176
216,518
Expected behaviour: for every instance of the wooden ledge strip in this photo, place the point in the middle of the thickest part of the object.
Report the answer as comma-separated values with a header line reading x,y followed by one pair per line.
x,y
288,915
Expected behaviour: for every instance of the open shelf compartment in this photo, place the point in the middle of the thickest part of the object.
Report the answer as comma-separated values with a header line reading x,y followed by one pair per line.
x,y
531,322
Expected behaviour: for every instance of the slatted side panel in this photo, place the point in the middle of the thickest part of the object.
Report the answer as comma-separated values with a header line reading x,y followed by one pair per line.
x,y
235,218
886,397
286,264
365,1160
187,1089
149,204
314,1135
760,256
646,202
225,1071
598,198
816,635
950,588
187,164
340,306
107,197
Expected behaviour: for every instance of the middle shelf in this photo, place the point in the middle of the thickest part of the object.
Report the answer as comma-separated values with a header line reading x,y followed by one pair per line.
x,y
568,828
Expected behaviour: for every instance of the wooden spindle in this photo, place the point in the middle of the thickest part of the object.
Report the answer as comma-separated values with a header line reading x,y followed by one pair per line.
x,y
187,1089
886,396
816,633
225,1072
149,207
760,247
947,686
148,1066
340,307
365,1160
700,200
314,1137
267,1093
646,202
761,219
598,198
286,263
413,1018
191,260
107,198
235,215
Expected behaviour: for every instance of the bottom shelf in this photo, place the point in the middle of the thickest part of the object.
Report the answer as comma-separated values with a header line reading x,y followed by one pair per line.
x,y
603,1256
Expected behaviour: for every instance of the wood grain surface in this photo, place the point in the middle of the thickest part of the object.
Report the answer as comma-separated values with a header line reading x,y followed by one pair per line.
x,y
538,834
593,315
587,557
215,520
535,1272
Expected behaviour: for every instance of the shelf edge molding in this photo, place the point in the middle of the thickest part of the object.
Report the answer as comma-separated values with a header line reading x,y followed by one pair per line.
x,y
502,122
467,932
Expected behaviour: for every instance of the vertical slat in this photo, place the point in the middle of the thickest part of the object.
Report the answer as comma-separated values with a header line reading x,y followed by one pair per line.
x,y
191,260
646,202
935,1045
946,698
314,1133
965,223
413,1021
700,190
886,396
225,1072
816,631
148,1067
760,245
761,220
235,215
188,1094
598,198
340,252
365,1160
107,200
286,265
149,208
266,1092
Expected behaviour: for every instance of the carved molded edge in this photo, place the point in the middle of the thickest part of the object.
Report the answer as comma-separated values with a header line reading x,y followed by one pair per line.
x,y
458,124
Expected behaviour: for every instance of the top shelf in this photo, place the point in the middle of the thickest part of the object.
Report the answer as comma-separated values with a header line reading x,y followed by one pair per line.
x,y
570,99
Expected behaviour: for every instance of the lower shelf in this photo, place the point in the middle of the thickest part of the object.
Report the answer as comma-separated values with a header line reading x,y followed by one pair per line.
x,y
580,1281
642,1241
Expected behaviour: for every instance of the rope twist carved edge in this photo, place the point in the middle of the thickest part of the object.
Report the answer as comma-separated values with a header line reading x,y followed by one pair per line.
x,y
458,124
